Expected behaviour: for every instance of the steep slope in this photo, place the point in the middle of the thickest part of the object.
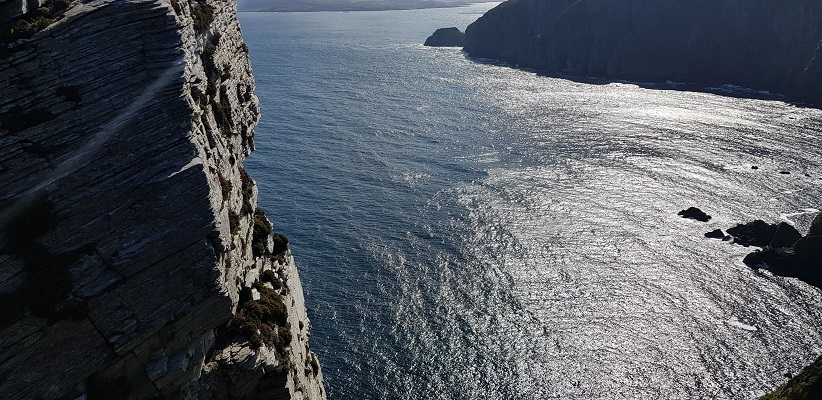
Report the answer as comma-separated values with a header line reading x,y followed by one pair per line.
x,y
130,241
759,44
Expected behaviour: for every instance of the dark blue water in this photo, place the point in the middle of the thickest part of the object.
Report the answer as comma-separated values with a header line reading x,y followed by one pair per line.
x,y
465,230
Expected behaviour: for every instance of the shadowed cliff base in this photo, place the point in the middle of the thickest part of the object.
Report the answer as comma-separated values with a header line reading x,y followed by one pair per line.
x,y
768,47
726,90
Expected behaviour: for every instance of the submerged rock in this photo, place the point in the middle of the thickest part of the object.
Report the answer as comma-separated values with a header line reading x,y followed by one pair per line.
x,y
446,37
695,213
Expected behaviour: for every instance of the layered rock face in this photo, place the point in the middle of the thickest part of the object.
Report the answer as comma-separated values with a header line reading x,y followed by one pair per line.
x,y
759,44
131,248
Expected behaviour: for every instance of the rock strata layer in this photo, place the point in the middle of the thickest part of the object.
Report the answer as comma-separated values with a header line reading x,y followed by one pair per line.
x,y
763,45
130,239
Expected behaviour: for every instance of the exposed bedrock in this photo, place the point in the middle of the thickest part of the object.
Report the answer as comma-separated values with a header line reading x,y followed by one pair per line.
x,y
759,44
130,238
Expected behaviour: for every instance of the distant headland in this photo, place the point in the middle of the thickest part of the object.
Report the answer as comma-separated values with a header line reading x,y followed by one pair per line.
x,y
765,46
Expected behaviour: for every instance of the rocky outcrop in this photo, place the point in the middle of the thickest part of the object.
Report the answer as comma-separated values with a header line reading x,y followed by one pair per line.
x,y
130,240
757,44
446,37
785,251
695,214
755,233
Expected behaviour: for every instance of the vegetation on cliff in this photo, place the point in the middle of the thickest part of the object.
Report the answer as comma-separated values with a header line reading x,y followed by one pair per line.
x,y
26,25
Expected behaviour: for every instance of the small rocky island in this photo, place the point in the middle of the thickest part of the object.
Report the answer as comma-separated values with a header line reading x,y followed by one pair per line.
x,y
446,37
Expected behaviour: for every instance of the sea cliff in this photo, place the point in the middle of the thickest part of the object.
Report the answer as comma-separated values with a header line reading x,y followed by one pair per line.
x,y
134,262
757,44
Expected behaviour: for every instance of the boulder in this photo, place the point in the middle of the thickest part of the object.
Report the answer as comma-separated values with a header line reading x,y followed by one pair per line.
x,y
694,213
809,255
446,37
789,254
779,261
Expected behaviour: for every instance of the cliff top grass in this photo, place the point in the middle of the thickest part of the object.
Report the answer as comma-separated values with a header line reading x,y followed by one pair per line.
x,y
26,25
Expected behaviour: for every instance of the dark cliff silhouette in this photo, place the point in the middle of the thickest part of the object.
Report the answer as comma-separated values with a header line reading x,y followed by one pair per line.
x,y
758,44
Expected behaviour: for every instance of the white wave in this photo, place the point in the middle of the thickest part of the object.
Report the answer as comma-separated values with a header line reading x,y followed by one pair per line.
x,y
735,322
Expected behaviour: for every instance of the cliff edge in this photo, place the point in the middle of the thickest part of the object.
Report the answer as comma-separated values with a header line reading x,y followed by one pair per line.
x,y
134,262
757,44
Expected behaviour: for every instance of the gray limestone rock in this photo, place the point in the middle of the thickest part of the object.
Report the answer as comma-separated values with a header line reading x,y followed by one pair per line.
x,y
125,236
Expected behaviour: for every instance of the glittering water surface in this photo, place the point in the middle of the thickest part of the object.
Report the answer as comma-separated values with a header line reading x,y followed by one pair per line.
x,y
471,231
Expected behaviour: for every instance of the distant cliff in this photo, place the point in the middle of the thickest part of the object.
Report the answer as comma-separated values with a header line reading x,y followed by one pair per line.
x,y
134,262
760,44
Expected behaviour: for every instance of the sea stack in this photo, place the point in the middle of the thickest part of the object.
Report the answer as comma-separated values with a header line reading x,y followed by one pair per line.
x,y
446,37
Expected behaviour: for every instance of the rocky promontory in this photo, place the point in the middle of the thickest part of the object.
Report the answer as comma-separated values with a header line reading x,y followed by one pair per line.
x,y
762,45
134,261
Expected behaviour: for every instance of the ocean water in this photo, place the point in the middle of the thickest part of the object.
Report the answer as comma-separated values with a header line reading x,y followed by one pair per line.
x,y
466,230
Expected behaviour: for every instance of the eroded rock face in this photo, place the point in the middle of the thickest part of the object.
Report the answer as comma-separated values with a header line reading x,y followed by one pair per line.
x,y
761,45
126,220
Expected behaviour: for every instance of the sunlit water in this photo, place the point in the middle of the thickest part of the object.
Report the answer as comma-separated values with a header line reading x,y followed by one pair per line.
x,y
471,231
